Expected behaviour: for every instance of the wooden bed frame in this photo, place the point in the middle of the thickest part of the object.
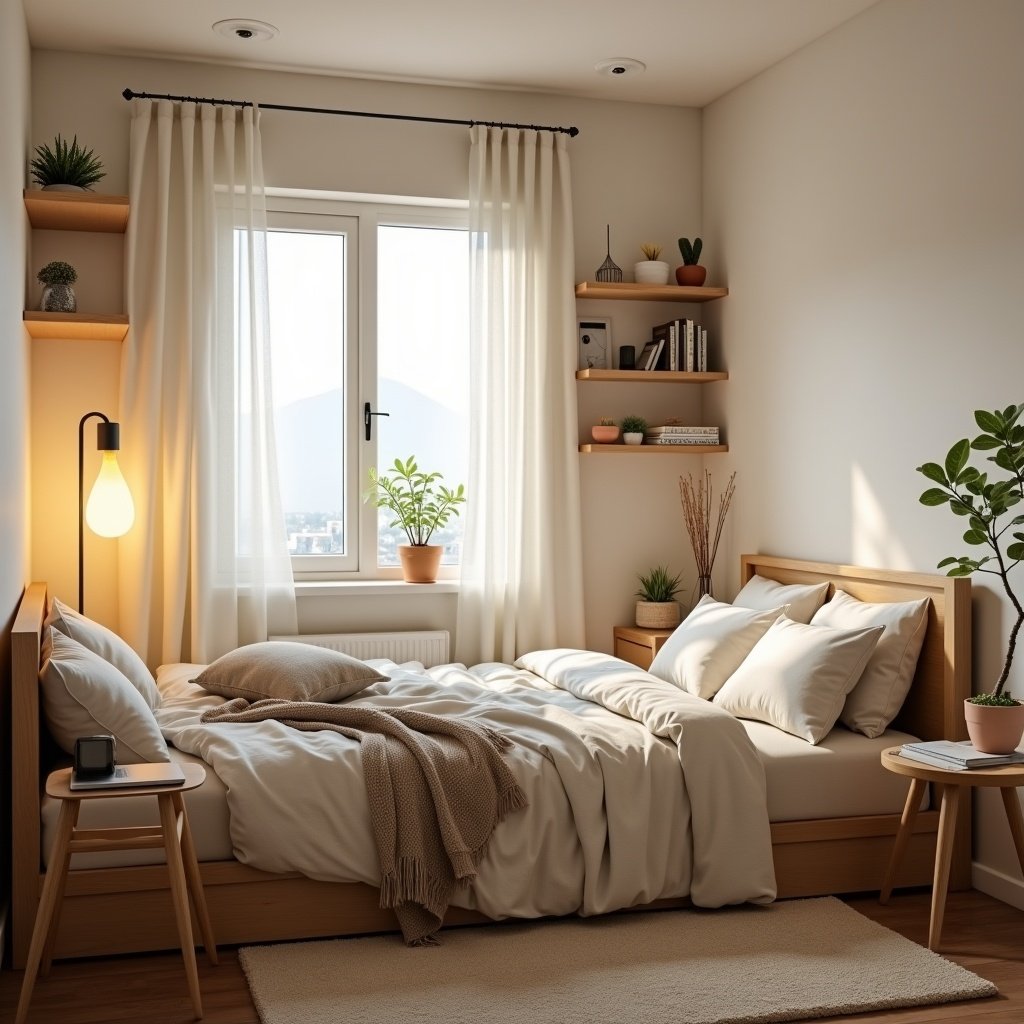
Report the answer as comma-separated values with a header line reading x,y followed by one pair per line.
x,y
121,910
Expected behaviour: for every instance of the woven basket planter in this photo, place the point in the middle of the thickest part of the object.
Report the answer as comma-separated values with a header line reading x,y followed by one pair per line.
x,y
657,614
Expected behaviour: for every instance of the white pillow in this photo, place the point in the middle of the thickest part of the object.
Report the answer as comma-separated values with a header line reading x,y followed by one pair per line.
x,y
877,698
797,677
802,599
709,645
84,695
107,644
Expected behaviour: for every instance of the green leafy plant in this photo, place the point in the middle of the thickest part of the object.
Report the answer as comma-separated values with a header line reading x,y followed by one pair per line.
x,y
634,425
650,251
66,164
987,506
57,272
690,253
657,586
420,504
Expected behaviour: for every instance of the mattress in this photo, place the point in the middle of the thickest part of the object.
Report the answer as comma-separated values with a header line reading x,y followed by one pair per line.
x,y
840,777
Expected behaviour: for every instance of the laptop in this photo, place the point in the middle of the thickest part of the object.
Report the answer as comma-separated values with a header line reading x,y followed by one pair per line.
x,y
160,773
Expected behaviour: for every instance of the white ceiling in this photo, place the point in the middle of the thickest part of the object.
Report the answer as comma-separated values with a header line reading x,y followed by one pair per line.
x,y
695,50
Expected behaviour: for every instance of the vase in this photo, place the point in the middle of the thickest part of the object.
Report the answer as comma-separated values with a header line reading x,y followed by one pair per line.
x,y
657,614
420,562
651,272
691,275
58,298
704,586
994,729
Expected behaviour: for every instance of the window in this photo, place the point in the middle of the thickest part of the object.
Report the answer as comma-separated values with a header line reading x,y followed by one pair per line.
x,y
368,303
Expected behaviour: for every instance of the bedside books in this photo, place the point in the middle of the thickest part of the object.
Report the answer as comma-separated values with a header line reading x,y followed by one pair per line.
x,y
956,756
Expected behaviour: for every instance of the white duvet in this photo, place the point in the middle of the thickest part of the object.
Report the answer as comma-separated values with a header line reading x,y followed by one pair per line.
x,y
637,790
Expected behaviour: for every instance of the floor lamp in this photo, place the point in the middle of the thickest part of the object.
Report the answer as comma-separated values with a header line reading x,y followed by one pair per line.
x,y
110,511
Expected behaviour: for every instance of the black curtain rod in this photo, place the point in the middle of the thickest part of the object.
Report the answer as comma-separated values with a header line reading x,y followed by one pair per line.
x,y
130,94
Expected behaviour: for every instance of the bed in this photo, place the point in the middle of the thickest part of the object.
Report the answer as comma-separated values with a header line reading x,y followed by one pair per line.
x,y
117,909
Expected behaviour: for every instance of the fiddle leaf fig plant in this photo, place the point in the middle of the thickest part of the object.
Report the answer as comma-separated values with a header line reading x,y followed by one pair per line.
x,y
986,501
418,502
690,252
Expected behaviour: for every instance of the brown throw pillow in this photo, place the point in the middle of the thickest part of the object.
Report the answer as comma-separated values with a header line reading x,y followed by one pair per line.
x,y
285,670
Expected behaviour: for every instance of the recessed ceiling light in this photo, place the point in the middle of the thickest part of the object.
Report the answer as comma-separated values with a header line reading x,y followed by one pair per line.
x,y
619,67
243,28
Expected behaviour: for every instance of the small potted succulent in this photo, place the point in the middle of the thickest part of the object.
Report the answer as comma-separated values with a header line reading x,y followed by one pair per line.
x,y
652,269
605,432
691,273
657,607
989,506
66,166
633,429
58,295
420,505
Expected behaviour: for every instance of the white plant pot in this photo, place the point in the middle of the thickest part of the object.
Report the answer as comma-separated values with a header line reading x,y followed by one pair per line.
x,y
633,438
651,272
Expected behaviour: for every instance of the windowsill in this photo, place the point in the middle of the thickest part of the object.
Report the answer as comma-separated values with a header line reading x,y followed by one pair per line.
x,y
373,588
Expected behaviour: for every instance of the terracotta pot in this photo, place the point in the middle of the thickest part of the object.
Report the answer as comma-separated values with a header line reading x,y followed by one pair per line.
x,y
420,562
692,275
657,614
994,730
605,434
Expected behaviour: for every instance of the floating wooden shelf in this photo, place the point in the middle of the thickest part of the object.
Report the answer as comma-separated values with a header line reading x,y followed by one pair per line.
x,y
76,211
652,449
76,326
653,376
649,292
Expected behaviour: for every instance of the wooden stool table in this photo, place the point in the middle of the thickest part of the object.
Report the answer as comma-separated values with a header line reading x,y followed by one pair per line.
x,y
172,835
1006,777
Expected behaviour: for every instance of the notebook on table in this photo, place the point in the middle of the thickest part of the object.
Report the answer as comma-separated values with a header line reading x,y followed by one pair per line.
x,y
160,773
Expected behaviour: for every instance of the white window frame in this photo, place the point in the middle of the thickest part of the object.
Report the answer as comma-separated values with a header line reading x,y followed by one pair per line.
x,y
360,218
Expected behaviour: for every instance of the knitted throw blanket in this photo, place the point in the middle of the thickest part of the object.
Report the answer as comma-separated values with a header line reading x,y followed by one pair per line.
x,y
437,788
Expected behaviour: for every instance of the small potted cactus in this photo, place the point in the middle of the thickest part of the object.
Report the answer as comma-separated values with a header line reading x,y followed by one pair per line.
x,y
691,273
605,432
651,270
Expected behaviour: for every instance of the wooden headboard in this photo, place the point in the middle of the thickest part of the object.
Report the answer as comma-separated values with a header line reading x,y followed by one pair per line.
x,y
934,708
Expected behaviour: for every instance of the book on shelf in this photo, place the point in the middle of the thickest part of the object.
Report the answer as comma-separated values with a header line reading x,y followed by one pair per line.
x,y
703,439
646,359
956,755
666,335
680,428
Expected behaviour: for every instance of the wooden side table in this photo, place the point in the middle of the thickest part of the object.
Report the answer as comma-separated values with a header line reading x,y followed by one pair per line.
x,y
639,646
1006,777
172,834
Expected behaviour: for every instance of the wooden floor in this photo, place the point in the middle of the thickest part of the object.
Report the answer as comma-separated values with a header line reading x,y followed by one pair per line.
x,y
982,934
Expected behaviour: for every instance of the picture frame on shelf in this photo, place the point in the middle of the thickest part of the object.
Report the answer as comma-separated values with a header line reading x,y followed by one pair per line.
x,y
594,335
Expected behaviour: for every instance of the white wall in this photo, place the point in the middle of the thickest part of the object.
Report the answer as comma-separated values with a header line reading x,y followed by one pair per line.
x,y
863,200
636,167
14,357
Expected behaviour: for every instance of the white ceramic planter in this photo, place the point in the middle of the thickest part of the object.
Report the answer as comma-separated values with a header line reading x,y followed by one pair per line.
x,y
633,438
651,272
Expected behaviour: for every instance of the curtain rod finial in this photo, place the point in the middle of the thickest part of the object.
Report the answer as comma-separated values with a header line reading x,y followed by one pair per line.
x,y
128,94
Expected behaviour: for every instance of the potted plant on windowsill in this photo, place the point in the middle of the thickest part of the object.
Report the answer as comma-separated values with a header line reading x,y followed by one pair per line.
x,y
995,721
420,505
657,607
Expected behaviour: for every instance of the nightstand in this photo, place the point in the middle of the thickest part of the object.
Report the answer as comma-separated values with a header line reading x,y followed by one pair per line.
x,y
1006,777
172,834
639,646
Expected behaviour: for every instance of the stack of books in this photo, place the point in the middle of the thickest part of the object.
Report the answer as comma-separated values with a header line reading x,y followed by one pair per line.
x,y
956,756
680,345
676,434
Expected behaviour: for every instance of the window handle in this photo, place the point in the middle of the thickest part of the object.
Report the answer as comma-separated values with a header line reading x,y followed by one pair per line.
x,y
368,415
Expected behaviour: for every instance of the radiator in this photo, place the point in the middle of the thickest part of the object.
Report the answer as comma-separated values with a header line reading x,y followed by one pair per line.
x,y
430,647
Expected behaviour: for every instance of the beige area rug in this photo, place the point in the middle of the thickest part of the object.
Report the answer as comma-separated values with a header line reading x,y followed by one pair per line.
x,y
789,961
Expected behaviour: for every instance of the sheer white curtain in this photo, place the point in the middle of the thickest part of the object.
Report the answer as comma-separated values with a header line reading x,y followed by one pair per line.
x,y
206,567
522,575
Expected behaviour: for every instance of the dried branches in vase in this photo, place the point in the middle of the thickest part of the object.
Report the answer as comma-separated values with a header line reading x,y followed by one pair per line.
x,y
696,499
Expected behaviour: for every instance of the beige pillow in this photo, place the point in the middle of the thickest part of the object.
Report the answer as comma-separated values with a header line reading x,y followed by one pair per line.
x,y
84,695
107,644
877,698
709,645
285,670
802,600
797,677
